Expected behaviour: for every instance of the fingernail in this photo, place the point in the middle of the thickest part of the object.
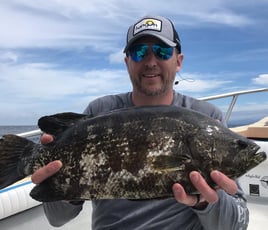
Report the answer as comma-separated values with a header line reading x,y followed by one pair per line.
x,y
194,177
216,174
176,190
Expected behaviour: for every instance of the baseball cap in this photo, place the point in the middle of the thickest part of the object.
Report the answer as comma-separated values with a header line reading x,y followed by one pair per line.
x,y
156,26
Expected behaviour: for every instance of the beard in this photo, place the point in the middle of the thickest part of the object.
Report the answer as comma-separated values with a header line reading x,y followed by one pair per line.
x,y
152,91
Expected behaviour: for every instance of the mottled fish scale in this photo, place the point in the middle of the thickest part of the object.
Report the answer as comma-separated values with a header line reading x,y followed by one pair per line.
x,y
134,153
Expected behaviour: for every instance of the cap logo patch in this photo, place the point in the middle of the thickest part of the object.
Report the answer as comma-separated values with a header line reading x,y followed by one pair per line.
x,y
147,24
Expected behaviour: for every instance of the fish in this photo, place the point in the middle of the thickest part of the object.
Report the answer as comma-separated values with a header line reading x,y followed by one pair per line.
x,y
132,153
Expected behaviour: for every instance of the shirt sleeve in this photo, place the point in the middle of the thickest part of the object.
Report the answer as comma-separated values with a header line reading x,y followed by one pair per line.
x,y
230,212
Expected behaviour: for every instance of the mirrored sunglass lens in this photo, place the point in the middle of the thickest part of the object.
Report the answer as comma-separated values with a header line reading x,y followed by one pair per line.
x,y
138,52
163,52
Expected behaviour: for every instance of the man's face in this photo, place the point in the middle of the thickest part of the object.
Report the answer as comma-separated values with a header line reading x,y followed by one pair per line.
x,y
152,76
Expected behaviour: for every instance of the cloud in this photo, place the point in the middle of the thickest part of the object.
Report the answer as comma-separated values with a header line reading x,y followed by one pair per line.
x,y
59,55
117,57
194,82
34,89
44,82
249,111
262,79
89,23
8,57
50,24
200,86
42,88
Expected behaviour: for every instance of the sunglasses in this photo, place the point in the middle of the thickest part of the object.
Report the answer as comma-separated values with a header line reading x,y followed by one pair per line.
x,y
138,51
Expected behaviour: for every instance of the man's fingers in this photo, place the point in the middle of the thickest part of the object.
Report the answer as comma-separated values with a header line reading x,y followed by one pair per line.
x,y
224,182
46,171
208,193
46,138
182,197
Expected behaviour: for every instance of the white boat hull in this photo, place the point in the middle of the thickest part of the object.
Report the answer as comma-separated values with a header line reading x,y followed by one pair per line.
x,y
255,182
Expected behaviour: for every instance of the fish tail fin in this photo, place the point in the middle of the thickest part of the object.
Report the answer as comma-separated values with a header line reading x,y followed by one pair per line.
x,y
12,149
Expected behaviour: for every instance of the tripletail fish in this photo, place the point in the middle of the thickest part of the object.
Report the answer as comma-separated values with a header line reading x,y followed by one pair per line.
x,y
133,153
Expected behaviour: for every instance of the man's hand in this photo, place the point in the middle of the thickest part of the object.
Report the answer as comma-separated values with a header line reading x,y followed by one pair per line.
x,y
46,138
48,170
207,194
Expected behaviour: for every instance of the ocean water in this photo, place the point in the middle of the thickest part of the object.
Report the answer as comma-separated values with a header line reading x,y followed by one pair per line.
x,y
5,129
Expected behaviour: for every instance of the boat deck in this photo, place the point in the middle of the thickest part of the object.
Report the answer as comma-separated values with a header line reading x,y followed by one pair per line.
x,y
35,218
257,130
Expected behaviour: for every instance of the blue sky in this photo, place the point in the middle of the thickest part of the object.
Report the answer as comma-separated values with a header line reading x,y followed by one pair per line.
x,y
57,56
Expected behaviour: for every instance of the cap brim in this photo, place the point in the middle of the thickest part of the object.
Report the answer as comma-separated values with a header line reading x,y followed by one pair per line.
x,y
149,33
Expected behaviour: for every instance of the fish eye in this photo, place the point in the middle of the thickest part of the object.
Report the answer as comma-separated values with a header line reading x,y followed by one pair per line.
x,y
242,144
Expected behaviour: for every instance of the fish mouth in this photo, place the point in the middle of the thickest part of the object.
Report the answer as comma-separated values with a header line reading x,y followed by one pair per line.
x,y
260,156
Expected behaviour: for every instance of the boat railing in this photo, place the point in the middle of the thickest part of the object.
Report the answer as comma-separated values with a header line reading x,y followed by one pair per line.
x,y
234,96
30,133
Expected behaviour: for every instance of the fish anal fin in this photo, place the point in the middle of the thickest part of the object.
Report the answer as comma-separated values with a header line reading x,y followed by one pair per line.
x,y
45,192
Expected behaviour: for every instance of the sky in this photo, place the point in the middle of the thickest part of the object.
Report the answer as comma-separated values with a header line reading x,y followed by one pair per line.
x,y
58,55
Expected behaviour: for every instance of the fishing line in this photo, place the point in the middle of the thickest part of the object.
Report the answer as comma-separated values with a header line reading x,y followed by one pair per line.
x,y
183,79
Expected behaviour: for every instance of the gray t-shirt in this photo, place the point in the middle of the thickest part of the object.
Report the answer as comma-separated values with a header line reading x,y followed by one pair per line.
x,y
230,212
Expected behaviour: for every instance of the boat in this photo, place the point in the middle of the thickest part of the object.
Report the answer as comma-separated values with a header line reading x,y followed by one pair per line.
x,y
18,209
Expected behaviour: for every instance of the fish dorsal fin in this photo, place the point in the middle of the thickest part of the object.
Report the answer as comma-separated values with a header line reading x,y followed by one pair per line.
x,y
59,122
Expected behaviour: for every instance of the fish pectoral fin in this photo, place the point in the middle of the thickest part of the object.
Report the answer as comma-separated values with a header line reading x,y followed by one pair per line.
x,y
168,163
59,122
169,170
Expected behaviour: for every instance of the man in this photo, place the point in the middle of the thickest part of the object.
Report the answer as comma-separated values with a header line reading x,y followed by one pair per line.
x,y
153,56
